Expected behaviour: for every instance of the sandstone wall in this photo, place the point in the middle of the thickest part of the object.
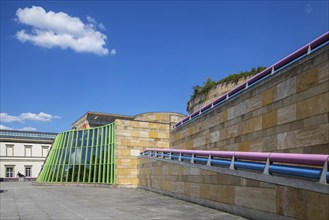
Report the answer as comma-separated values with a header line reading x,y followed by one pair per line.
x,y
199,101
245,197
149,130
162,117
287,112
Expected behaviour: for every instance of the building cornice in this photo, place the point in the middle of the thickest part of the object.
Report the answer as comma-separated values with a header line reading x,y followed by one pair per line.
x,y
28,141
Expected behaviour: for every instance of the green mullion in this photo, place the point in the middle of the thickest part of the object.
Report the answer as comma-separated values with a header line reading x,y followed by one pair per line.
x,y
56,159
91,156
75,155
61,158
109,154
96,155
86,157
105,150
112,159
51,156
113,154
58,163
64,161
43,171
49,159
68,164
82,139
105,154
101,155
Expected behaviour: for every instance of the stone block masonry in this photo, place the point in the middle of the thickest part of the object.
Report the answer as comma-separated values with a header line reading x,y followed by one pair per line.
x,y
201,100
246,197
132,136
287,112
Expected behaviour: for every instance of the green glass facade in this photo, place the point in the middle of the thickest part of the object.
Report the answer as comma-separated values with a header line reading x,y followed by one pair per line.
x,y
82,156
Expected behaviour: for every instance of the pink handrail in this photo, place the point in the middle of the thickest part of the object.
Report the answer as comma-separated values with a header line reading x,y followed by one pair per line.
x,y
293,158
288,59
309,159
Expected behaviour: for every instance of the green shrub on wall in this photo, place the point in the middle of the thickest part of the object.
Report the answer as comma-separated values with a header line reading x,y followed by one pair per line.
x,y
232,78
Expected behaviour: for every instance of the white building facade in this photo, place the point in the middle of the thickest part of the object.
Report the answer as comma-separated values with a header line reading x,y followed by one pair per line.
x,y
23,152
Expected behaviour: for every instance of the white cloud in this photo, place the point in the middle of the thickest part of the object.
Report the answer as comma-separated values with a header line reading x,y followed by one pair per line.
x,y
21,129
28,129
5,127
113,52
51,29
92,22
308,8
4,117
101,26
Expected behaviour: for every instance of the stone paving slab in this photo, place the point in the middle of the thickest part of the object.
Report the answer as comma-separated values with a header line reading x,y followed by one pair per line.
x,y
22,200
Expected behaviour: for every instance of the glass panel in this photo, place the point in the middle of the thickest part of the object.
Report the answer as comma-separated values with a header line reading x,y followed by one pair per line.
x,y
9,172
28,171
79,138
80,156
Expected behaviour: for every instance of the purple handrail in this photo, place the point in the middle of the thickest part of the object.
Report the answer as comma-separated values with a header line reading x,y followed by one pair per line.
x,y
258,156
302,159
266,162
281,63
237,89
309,159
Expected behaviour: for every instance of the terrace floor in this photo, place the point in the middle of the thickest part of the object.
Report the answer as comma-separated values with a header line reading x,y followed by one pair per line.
x,y
22,200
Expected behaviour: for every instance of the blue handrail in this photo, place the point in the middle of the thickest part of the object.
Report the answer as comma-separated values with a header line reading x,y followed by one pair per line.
x,y
306,171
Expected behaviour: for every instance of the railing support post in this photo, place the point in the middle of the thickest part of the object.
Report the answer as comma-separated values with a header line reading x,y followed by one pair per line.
x,y
170,156
232,163
323,177
209,160
309,49
192,158
180,157
267,166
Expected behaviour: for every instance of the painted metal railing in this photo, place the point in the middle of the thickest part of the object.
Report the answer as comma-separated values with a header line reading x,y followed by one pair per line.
x,y
309,166
298,54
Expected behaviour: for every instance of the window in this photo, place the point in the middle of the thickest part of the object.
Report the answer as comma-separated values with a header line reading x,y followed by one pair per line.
x,y
28,171
28,150
10,171
9,150
44,151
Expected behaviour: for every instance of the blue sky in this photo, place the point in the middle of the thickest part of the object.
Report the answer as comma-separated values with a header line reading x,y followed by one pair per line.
x,y
60,59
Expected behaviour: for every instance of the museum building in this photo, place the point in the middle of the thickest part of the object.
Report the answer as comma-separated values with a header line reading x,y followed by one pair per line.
x,y
103,148
23,152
